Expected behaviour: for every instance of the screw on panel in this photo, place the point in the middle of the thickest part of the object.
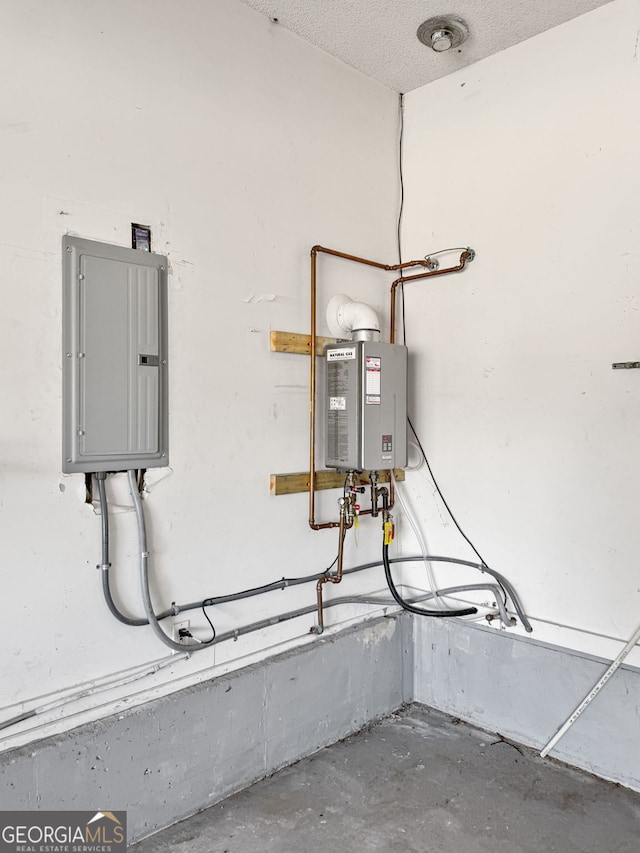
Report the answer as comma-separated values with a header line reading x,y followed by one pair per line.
x,y
68,250
69,355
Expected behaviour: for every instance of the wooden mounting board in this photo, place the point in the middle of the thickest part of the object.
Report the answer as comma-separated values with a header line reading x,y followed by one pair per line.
x,y
291,484
297,343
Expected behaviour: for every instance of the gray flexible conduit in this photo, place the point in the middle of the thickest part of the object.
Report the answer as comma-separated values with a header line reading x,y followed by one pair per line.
x,y
152,618
144,574
105,565
286,582
265,623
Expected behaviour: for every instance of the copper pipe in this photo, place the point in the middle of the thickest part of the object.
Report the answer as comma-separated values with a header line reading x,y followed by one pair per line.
x,y
464,257
312,377
312,404
389,267
337,577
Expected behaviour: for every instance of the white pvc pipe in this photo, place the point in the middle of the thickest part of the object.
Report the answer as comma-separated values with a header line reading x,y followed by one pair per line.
x,y
417,530
96,687
355,316
112,679
345,315
591,696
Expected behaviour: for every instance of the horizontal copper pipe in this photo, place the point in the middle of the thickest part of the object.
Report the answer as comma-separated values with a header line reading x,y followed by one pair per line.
x,y
464,257
388,267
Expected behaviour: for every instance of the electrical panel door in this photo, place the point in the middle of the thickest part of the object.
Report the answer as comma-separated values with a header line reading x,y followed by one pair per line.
x,y
114,357
366,406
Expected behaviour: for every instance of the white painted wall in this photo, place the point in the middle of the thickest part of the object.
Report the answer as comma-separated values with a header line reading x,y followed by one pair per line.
x,y
242,147
531,157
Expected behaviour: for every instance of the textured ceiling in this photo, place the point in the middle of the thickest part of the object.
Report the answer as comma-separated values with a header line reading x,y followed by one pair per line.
x,y
378,37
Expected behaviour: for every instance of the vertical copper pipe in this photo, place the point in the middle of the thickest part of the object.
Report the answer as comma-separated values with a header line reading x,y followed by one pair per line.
x,y
312,402
464,257
332,578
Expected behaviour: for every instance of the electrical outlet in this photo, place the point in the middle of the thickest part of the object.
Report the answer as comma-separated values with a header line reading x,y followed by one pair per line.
x,y
184,624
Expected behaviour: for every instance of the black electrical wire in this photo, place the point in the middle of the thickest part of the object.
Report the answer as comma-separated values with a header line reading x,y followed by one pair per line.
x,y
404,329
404,332
442,498
401,209
404,325
281,584
467,611
401,175
448,508
206,616
328,569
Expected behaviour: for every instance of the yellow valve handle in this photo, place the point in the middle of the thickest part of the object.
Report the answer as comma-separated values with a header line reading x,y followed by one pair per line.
x,y
389,530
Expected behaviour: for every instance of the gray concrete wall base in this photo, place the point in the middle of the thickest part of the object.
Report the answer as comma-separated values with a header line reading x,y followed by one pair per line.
x,y
525,690
172,757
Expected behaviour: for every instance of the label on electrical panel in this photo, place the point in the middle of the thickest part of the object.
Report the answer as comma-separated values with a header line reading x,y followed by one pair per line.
x,y
373,373
337,404
341,354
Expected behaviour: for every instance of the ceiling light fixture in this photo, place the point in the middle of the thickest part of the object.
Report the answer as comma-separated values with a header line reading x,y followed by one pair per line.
x,y
443,32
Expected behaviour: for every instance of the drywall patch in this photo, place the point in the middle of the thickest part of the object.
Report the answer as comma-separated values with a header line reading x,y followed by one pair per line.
x,y
383,630
255,300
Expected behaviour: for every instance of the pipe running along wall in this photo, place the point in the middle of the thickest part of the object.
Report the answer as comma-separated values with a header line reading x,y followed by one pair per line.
x,y
313,368
346,521
389,502
283,583
347,510
148,669
466,256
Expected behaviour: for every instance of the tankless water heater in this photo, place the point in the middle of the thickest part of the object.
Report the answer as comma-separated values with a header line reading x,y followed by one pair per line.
x,y
366,405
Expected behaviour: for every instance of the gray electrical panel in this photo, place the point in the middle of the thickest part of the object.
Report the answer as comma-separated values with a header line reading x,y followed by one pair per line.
x,y
366,406
115,414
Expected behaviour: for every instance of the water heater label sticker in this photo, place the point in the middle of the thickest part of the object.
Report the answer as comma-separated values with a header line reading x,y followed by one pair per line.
x,y
372,380
341,354
337,403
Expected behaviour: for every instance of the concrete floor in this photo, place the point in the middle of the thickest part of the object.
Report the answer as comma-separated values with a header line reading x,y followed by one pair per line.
x,y
418,781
